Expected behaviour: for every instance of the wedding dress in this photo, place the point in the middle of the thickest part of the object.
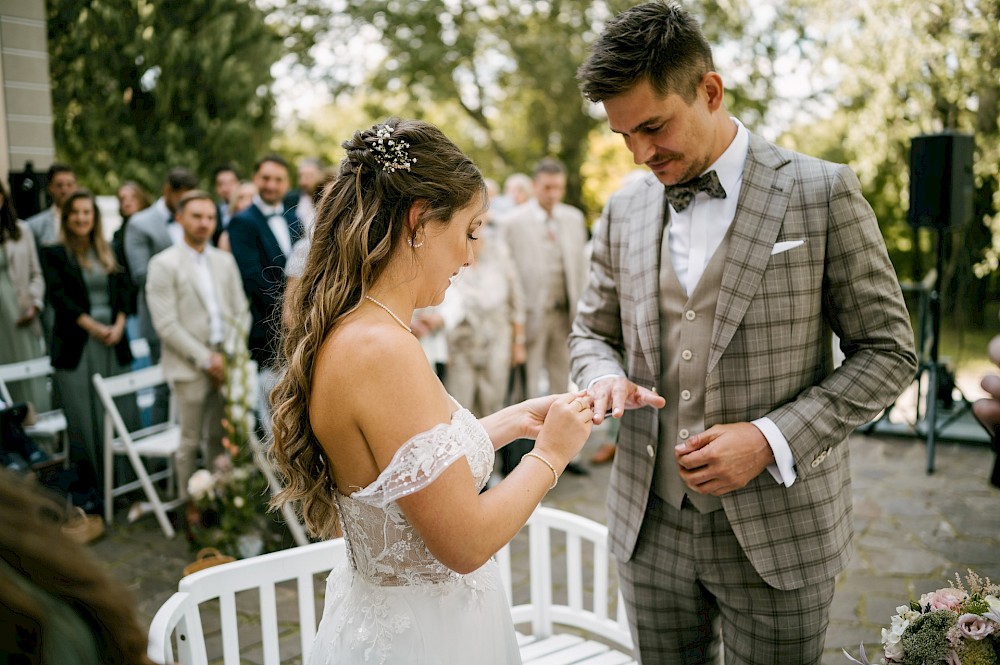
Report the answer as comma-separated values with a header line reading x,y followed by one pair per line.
x,y
394,602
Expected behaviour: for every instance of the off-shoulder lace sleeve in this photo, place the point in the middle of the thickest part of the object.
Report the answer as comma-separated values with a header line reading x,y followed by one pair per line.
x,y
418,463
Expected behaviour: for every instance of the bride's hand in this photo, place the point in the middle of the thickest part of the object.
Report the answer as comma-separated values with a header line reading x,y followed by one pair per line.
x,y
533,412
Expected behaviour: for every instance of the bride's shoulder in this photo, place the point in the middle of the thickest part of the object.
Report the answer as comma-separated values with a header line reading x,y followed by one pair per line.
x,y
368,356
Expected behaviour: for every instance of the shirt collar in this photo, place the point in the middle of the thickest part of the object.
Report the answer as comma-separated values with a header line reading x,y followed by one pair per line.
x,y
196,256
267,210
729,165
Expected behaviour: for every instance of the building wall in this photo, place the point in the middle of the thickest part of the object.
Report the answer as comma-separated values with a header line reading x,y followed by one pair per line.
x,y
26,93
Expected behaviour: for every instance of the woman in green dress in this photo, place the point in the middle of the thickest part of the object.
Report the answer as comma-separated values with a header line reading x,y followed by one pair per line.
x,y
22,290
88,292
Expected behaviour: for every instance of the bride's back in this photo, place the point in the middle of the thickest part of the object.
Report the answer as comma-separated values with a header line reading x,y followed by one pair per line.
x,y
371,379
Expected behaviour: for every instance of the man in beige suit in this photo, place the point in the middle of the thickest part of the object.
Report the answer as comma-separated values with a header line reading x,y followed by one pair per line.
x,y
714,287
546,238
195,293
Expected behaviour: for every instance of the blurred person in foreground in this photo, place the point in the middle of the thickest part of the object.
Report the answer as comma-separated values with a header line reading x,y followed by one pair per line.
x,y
58,604
365,433
714,286
987,410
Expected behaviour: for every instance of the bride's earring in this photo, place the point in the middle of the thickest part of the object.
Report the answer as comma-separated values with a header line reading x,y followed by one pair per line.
x,y
414,245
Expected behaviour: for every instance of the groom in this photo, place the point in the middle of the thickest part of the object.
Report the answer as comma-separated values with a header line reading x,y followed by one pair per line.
x,y
714,287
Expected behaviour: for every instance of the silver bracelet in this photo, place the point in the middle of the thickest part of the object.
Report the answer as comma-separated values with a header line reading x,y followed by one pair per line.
x,y
555,475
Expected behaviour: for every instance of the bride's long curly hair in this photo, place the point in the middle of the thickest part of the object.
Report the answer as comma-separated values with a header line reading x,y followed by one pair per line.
x,y
360,223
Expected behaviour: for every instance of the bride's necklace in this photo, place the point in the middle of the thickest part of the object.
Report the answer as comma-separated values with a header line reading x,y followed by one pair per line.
x,y
392,314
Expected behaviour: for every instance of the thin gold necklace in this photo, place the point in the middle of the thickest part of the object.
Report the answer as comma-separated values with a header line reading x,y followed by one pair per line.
x,y
392,314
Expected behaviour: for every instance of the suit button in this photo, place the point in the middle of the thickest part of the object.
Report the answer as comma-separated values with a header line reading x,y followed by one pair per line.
x,y
650,451
686,354
684,434
815,462
689,315
685,395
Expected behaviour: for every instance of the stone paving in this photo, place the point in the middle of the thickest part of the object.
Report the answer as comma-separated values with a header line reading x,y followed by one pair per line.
x,y
913,532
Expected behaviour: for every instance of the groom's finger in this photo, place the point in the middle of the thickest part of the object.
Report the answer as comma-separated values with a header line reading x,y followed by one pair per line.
x,y
699,441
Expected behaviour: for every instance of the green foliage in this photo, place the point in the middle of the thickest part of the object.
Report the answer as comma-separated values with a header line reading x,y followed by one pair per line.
x,y
889,70
140,86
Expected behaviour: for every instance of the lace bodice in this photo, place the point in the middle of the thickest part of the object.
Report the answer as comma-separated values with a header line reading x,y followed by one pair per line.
x,y
382,545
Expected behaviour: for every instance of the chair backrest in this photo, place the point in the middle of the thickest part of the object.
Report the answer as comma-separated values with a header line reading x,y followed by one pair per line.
x,y
181,618
108,388
27,369
588,605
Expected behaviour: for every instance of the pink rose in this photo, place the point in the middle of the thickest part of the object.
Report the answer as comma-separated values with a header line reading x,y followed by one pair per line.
x,y
943,599
974,626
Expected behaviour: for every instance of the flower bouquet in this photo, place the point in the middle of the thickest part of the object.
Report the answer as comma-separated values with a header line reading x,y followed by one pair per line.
x,y
956,625
232,496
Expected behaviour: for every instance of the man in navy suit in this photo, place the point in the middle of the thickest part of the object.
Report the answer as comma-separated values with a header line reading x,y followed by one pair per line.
x,y
261,238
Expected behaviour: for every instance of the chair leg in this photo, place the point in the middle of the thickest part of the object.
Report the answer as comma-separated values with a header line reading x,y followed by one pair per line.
x,y
150,491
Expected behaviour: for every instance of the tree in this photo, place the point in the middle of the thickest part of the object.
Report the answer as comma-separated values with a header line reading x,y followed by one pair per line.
x,y
142,86
897,69
509,66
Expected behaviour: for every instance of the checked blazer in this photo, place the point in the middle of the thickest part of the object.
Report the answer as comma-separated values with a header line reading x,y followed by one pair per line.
x,y
770,352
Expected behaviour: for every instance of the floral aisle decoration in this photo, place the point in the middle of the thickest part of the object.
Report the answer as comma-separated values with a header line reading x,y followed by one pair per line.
x,y
232,495
956,625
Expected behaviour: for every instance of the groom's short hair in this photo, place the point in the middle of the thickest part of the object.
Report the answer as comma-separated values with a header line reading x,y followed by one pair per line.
x,y
656,41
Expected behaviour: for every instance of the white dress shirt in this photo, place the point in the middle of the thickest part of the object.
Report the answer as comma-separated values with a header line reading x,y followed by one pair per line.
x,y
695,234
203,275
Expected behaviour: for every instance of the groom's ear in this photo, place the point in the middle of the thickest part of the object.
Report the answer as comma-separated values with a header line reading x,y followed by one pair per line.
x,y
714,90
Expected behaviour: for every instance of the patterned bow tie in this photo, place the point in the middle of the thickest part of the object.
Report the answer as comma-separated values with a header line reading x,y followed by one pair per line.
x,y
680,196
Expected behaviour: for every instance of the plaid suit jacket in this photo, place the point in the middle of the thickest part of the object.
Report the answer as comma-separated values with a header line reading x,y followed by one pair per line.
x,y
770,350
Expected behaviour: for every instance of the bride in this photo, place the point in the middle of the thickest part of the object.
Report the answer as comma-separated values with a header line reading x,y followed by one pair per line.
x,y
366,435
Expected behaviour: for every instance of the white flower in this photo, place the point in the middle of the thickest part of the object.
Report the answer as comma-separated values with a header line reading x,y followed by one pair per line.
x,y
894,651
236,394
238,501
240,473
200,484
993,602
237,413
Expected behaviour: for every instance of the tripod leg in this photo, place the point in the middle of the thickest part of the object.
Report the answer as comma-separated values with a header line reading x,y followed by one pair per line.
x,y
931,419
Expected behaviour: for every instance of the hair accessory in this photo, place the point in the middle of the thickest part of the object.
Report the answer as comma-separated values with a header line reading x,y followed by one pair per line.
x,y
391,153
555,474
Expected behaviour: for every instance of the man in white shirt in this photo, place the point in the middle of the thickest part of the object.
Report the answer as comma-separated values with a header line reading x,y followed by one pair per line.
x,y
45,225
195,296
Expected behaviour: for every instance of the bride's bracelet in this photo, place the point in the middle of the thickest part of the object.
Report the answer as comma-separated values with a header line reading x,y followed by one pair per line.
x,y
555,474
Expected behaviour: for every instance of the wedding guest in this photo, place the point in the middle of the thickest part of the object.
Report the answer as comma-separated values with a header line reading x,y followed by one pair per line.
x,y
483,314
58,603
364,429
225,180
240,199
132,198
261,238
150,232
22,293
987,410
195,294
88,293
714,285
61,182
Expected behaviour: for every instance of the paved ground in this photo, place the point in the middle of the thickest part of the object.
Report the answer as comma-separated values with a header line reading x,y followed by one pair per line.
x,y
914,531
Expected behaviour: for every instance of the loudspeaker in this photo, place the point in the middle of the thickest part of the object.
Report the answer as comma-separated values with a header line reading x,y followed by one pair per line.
x,y
941,183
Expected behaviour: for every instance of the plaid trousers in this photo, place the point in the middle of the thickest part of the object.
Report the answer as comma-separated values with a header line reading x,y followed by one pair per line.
x,y
689,580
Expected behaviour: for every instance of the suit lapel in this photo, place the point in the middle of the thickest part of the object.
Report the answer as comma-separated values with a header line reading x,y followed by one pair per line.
x,y
644,254
759,214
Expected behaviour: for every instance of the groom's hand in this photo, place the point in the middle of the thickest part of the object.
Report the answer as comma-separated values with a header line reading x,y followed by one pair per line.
x,y
616,393
723,458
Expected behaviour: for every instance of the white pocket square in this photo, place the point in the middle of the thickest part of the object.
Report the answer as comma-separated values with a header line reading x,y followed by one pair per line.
x,y
786,245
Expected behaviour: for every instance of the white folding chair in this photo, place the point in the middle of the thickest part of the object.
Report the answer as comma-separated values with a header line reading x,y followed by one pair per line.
x,y
160,441
49,425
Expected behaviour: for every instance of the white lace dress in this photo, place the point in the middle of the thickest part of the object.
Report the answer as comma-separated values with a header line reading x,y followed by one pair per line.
x,y
396,603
